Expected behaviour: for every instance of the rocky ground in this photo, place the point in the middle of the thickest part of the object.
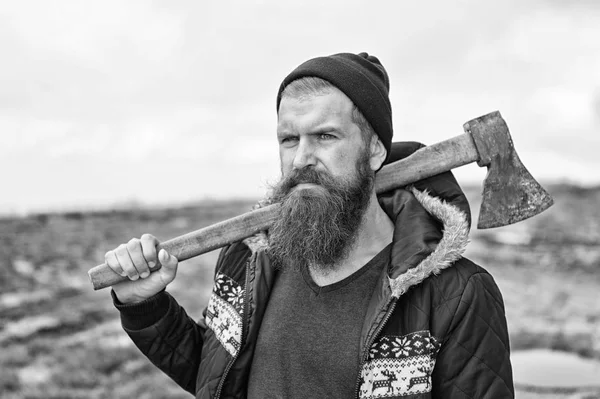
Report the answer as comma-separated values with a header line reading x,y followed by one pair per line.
x,y
60,339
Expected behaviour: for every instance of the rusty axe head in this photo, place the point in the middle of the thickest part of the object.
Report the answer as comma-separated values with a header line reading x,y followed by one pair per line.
x,y
510,193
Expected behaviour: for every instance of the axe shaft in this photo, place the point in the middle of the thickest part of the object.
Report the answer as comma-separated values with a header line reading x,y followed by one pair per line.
x,y
426,162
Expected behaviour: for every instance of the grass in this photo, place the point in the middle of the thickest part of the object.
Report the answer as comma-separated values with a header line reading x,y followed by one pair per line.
x,y
59,338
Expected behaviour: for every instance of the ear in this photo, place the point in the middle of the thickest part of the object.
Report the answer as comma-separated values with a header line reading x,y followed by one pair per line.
x,y
378,153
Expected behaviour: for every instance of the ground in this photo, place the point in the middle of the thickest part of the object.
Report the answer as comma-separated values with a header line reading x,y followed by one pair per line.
x,y
61,339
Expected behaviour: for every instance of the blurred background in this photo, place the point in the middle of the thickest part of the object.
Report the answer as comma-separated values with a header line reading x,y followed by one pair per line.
x,y
120,118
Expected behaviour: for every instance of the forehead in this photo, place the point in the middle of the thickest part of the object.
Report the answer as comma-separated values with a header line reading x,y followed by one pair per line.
x,y
311,111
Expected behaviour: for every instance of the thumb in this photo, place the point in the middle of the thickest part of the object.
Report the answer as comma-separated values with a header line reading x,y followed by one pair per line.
x,y
169,265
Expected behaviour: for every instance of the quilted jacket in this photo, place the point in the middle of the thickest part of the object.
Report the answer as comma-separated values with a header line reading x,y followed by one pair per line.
x,y
435,327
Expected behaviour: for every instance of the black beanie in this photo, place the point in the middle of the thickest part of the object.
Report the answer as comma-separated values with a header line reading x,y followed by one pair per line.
x,y
362,78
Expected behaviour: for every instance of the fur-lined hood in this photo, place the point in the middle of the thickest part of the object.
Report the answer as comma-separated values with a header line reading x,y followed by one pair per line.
x,y
429,236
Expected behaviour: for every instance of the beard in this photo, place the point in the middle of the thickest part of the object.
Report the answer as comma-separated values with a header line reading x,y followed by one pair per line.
x,y
317,226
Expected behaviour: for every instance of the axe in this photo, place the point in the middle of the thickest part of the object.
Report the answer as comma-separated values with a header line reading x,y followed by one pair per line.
x,y
510,193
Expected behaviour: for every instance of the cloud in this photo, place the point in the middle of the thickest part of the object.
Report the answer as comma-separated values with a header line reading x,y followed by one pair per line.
x,y
95,91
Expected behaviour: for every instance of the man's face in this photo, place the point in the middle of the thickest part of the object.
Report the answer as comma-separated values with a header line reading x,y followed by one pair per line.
x,y
318,132
326,182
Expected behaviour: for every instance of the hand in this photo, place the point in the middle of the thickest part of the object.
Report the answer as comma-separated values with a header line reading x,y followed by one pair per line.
x,y
134,260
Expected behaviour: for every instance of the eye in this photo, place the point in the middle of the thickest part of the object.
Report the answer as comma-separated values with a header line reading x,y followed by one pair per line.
x,y
325,136
288,139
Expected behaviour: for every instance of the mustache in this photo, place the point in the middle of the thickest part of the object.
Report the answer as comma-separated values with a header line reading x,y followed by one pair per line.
x,y
300,176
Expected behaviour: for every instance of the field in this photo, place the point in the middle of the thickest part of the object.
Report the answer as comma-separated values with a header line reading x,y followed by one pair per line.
x,y
60,339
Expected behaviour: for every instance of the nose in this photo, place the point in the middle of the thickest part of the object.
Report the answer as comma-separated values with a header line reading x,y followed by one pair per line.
x,y
305,155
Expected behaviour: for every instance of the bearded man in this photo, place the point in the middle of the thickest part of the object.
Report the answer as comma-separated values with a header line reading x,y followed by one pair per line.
x,y
349,294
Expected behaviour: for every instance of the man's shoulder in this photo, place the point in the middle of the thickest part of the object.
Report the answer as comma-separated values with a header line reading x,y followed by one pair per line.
x,y
462,270
464,274
444,297
237,249
232,260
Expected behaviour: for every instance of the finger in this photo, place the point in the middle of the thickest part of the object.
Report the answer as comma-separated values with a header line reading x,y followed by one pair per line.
x,y
169,265
167,260
149,243
137,257
110,258
126,262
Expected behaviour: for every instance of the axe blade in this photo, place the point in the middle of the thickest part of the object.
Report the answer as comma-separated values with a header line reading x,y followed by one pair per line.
x,y
510,193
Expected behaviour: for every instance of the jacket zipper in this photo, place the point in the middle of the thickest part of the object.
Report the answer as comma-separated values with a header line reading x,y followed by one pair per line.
x,y
364,356
243,337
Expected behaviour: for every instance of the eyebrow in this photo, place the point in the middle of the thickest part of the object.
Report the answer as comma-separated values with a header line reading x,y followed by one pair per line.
x,y
285,135
326,129
318,130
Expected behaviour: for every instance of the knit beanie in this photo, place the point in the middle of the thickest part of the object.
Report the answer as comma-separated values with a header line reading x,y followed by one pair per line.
x,y
362,78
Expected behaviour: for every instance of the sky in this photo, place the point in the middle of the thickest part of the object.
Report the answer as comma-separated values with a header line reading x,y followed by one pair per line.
x,y
105,103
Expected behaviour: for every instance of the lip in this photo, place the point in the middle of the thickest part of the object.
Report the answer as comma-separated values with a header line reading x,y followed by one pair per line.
x,y
306,186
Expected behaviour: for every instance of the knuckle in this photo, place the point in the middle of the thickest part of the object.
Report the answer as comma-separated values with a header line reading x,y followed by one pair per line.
x,y
120,249
112,264
133,243
147,237
149,250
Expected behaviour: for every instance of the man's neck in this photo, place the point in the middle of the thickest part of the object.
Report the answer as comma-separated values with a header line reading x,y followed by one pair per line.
x,y
374,234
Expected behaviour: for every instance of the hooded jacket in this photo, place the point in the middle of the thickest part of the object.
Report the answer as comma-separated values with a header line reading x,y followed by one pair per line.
x,y
435,325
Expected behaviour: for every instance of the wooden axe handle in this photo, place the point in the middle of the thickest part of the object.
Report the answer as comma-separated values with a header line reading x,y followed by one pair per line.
x,y
426,162
198,242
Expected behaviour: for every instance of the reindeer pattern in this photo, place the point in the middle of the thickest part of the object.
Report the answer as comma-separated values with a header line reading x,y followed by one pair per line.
x,y
390,377
423,379
392,380
399,366
223,326
223,313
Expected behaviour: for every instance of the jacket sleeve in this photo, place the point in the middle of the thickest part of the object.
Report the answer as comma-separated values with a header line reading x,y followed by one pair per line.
x,y
172,342
166,335
474,360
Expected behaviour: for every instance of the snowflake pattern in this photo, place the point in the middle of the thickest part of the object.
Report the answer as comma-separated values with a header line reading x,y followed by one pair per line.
x,y
224,312
401,346
414,344
230,291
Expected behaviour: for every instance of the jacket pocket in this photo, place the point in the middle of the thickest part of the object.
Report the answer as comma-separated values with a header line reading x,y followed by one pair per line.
x,y
399,366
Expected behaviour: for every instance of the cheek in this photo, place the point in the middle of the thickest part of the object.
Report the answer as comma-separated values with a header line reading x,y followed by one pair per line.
x,y
346,163
340,161
286,159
